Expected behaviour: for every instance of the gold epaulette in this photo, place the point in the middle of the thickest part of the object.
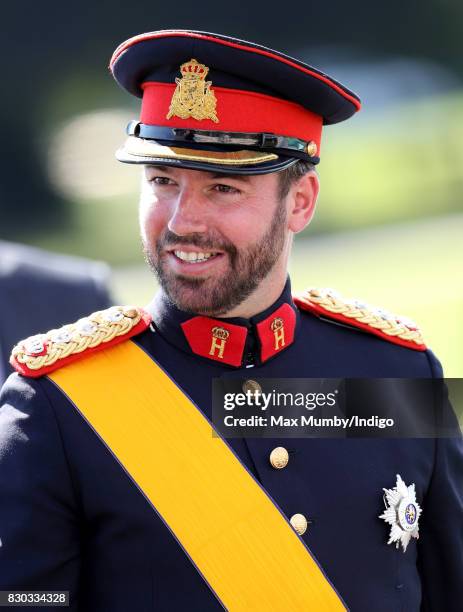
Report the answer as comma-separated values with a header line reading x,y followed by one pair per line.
x,y
328,303
40,354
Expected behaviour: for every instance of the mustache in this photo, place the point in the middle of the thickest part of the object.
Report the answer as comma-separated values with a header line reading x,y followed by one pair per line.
x,y
199,240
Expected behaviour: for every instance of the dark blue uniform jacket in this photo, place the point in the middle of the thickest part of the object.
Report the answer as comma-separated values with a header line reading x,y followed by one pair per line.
x,y
71,519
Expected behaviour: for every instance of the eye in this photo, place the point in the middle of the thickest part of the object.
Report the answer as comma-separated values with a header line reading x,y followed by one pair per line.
x,y
226,188
160,180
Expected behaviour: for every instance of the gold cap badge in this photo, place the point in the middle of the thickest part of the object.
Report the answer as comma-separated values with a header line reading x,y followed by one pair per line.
x,y
193,96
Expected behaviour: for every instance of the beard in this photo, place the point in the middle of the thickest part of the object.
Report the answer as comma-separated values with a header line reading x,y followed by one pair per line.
x,y
218,295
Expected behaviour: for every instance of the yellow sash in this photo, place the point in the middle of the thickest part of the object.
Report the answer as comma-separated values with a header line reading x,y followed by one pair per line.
x,y
238,539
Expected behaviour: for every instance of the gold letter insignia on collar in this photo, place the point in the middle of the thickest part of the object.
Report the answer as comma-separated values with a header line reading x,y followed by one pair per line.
x,y
278,328
219,339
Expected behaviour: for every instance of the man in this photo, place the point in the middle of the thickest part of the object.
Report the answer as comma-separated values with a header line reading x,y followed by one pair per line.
x,y
40,290
112,486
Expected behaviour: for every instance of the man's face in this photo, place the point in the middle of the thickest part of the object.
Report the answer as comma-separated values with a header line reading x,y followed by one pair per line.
x,y
211,239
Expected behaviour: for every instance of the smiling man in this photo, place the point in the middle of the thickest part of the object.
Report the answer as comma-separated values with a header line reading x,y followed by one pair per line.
x,y
199,228
113,487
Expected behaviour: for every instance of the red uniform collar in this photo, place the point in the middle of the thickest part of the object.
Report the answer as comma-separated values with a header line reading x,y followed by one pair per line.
x,y
234,341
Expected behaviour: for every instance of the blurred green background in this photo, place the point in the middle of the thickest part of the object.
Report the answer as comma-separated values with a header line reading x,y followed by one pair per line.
x,y
389,224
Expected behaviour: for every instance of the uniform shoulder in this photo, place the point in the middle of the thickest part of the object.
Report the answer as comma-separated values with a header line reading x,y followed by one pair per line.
x,y
43,353
330,306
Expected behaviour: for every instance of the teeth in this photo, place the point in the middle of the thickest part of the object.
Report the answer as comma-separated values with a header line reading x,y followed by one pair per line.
x,y
193,257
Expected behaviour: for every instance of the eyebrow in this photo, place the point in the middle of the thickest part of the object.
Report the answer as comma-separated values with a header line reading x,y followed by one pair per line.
x,y
157,168
237,177
214,175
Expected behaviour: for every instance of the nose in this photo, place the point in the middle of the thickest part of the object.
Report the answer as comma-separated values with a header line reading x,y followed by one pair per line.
x,y
188,214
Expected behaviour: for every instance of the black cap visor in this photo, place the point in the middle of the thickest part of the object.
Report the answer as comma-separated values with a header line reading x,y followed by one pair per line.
x,y
211,159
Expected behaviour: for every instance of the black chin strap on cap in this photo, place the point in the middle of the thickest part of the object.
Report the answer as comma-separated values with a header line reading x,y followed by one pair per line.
x,y
285,145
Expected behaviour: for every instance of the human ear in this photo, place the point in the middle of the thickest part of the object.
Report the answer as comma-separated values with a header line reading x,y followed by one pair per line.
x,y
303,197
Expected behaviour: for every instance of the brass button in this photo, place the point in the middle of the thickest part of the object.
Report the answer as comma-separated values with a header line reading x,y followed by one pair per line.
x,y
252,386
130,313
279,457
312,148
299,523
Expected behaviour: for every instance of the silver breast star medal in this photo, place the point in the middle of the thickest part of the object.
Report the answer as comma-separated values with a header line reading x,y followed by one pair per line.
x,y
402,513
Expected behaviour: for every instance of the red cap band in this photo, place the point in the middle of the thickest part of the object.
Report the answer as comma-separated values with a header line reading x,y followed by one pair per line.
x,y
238,111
